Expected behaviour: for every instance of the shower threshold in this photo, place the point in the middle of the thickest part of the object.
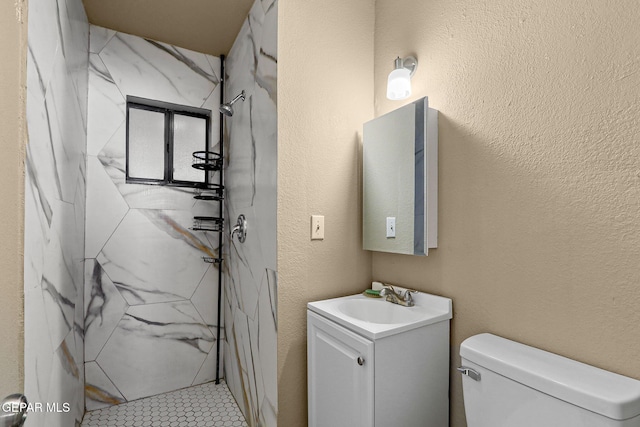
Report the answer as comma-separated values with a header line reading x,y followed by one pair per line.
x,y
198,406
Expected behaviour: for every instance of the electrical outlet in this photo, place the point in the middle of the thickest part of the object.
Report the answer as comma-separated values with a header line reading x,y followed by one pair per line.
x,y
391,226
317,227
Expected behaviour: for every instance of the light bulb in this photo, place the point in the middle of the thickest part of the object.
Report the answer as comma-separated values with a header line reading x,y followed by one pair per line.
x,y
399,84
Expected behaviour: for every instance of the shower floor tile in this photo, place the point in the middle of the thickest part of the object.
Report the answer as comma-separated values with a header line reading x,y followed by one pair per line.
x,y
199,406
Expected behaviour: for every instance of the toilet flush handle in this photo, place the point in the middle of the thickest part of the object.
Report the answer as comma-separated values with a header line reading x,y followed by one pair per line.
x,y
471,373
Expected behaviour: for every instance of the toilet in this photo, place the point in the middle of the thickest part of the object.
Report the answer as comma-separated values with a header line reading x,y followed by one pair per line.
x,y
508,384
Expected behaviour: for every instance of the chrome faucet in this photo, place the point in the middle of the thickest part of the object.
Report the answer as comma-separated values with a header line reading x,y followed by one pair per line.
x,y
403,298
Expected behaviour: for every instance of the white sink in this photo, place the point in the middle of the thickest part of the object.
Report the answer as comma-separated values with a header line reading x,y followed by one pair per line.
x,y
376,318
378,311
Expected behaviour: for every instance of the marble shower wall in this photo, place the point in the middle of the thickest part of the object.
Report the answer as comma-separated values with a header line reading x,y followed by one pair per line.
x,y
150,299
250,182
54,211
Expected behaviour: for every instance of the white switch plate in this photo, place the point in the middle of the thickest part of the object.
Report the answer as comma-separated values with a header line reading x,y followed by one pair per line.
x,y
317,227
391,226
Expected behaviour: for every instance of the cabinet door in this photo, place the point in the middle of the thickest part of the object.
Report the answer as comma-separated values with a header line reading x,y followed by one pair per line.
x,y
340,375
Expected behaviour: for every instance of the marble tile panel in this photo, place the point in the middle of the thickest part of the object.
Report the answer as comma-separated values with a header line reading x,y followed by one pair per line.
x,y
67,131
68,226
152,70
241,165
99,37
44,39
154,257
37,222
58,285
104,309
43,131
38,349
268,333
235,374
156,348
205,298
267,64
207,371
74,30
264,202
64,385
36,87
105,208
107,106
99,390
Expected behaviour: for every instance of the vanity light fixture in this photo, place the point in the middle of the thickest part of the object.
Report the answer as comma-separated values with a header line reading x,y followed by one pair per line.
x,y
399,81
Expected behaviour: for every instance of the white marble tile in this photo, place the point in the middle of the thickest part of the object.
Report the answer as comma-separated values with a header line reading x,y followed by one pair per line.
x,y
74,28
64,385
205,298
99,37
250,174
266,69
104,309
106,104
67,131
38,349
151,70
37,220
44,39
99,390
58,285
153,256
36,87
156,348
240,167
105,208
207,371
264,131
268,334
43,131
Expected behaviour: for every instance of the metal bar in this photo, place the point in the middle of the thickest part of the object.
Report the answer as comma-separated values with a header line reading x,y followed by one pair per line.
x,y
221,206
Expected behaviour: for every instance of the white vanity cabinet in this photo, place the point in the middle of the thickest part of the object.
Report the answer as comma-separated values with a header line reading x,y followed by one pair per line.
x,y
364,374
341,371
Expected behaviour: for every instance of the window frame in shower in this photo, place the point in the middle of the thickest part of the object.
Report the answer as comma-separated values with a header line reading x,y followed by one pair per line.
x,y
169,111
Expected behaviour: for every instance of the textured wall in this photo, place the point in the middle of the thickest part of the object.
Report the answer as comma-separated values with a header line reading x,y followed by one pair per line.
x,y
150,299
13,50
57,69
539,170
325,91
250,270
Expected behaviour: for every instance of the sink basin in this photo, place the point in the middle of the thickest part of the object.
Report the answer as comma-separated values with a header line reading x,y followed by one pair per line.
x,y
376,318
378,311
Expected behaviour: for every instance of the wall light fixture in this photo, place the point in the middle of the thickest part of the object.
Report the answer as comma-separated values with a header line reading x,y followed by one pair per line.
x,y
399,81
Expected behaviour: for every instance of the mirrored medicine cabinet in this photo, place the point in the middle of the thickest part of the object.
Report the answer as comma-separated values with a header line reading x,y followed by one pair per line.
x,y
400,180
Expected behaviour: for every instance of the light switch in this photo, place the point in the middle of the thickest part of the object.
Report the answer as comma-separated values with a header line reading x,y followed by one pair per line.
x,y
391,226
317,227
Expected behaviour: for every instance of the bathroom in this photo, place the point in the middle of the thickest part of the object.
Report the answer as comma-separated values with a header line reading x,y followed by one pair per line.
x,y
539,173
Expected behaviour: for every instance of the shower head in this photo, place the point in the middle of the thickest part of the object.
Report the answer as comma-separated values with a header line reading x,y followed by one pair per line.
x,y
227,109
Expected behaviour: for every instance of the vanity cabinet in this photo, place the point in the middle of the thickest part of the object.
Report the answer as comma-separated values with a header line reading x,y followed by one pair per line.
x,y
386,379
341,371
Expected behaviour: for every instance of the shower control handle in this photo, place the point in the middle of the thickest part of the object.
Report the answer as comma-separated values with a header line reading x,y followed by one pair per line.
x,y
240,229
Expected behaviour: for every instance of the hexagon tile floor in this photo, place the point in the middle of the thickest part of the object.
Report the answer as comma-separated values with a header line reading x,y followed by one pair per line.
x,y
206,405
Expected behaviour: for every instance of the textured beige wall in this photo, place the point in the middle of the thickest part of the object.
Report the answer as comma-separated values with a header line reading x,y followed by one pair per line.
x,y
539,170
12,140
325,94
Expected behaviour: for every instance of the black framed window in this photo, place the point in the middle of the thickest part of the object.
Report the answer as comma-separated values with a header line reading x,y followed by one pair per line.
x,y
161,138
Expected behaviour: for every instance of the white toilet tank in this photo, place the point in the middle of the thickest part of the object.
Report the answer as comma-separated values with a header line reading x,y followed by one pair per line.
x,y
522,386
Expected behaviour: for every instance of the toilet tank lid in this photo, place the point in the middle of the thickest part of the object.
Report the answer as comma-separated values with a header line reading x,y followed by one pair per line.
x,y
612,395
